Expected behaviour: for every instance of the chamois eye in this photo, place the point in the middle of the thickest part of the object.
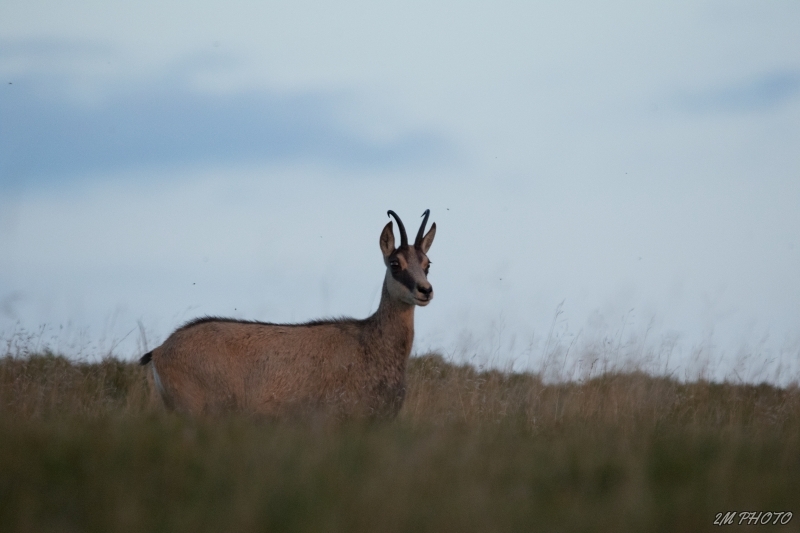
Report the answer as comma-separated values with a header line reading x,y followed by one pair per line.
x,y
395,264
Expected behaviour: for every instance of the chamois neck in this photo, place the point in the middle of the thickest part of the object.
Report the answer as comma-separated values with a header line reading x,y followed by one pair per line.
x,y
391,306
395,315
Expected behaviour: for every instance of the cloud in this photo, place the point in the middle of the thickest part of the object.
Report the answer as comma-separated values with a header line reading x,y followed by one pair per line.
x,y
46,133
760,93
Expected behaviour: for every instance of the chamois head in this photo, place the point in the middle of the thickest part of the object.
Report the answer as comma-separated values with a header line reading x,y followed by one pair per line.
x,y
407,266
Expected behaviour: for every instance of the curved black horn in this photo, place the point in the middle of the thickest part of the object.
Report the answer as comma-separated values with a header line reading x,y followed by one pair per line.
x,y
422,228
403,237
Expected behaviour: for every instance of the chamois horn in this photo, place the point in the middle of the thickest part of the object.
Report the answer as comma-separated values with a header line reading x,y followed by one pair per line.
x,y
418,242
403,237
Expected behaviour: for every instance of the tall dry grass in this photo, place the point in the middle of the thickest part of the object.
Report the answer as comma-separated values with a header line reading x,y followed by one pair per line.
x,y
84,447
441,392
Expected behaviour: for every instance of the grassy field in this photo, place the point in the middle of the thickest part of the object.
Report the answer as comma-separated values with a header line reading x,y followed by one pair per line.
x,y
84,447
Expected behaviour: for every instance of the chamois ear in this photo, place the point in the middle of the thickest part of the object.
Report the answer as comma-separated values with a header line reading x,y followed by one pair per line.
x,y
387,240
427,240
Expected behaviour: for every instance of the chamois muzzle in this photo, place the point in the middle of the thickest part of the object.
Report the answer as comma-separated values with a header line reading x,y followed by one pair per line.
x,y
426,292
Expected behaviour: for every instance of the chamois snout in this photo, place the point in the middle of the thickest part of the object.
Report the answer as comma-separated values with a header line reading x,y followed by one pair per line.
x,y
427,294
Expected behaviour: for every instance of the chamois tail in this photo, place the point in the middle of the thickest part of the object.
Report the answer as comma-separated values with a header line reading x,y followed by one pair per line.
x,y
146,358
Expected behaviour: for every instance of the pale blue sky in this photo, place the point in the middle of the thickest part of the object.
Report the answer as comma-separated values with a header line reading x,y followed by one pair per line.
x,y
637,162
48,134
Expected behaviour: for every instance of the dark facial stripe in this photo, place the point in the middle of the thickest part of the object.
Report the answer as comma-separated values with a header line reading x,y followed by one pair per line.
x,y
406,279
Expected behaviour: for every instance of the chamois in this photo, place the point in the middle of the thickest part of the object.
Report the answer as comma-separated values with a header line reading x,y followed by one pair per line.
x,y
345,368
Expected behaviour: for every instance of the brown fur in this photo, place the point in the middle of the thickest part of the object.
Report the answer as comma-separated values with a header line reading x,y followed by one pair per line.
x,y
343,368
